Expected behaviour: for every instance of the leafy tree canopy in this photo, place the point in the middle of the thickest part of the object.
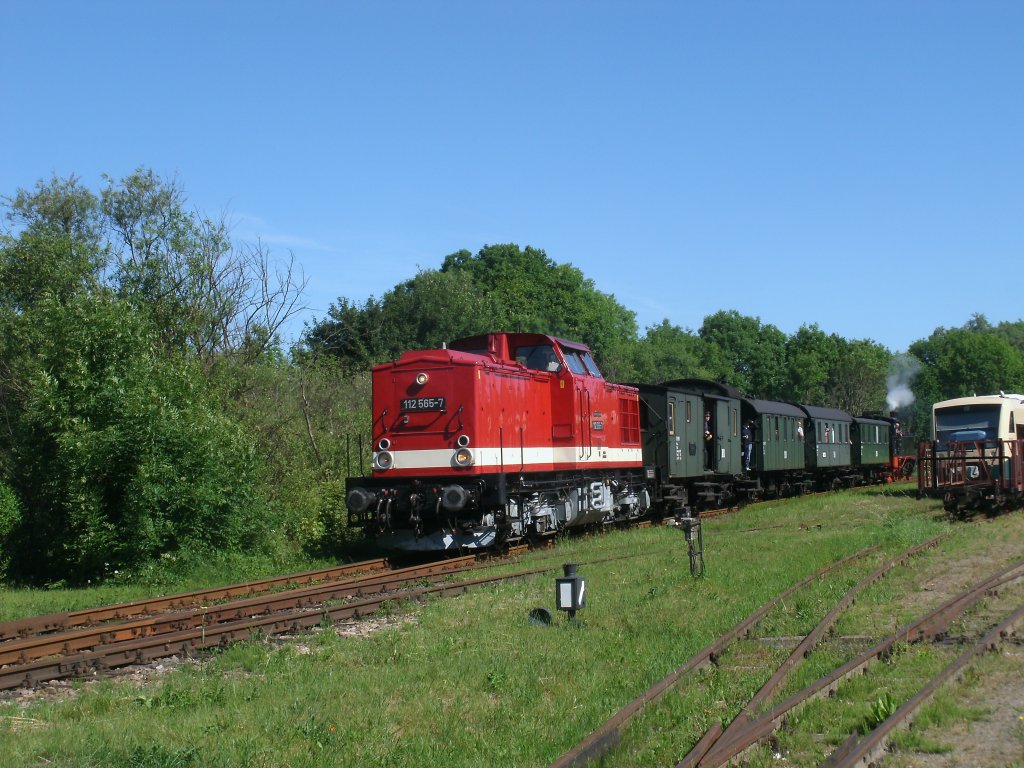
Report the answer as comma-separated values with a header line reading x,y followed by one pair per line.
x,y
502,287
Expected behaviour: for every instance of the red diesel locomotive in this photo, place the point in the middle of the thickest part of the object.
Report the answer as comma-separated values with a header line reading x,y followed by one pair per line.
x,y
497,438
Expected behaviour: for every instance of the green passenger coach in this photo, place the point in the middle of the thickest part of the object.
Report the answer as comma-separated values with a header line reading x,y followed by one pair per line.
x,y
778,435
828,438
872,439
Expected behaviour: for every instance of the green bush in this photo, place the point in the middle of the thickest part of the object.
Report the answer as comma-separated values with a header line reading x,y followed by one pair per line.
x,y
122,453
10,517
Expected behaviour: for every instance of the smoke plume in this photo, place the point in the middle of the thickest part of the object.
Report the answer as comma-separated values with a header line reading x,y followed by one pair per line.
x,y
902,371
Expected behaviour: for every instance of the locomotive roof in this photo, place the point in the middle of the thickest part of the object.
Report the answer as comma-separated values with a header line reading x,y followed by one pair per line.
x,y
831,414
481,339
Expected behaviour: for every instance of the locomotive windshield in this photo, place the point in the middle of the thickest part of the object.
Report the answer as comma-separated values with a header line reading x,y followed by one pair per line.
x,y
580,362
967,423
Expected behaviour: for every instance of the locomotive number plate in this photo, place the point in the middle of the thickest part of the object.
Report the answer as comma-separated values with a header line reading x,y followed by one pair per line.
x,y
422,404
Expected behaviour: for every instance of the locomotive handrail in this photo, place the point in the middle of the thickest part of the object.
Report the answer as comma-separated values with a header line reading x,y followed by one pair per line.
x,y
590,427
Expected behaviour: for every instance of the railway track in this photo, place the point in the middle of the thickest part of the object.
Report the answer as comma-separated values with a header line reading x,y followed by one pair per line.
x,y
722,745
56,622
78,643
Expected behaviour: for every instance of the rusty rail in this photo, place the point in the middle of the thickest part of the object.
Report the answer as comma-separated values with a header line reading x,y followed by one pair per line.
x,y
55,622
607,736
871,747
748,713
139,650
24,650
932,624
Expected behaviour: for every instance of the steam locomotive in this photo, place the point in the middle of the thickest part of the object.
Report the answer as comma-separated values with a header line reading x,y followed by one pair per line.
x,y
509,436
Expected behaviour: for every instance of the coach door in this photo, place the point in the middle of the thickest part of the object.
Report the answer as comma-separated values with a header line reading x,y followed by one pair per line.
x,y
685,419
727,437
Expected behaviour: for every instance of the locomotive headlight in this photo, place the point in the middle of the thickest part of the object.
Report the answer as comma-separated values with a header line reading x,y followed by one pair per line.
x,y
463,457
383,460
384,444
463,441
421,379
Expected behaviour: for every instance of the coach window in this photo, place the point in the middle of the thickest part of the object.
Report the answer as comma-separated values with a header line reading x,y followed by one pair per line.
x,y
671,417
689,413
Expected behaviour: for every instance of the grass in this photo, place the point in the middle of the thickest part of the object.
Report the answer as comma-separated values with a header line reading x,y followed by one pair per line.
x,y
470,681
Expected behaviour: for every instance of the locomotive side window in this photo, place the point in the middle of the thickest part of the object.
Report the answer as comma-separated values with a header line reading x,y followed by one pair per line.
x,y
540,357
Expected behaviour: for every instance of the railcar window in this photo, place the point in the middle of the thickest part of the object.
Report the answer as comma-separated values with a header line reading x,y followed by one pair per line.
x,y
776,429
672,416
735,423
688,412
967,422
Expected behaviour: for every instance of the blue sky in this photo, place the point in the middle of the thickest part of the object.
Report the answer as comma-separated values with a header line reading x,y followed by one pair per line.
x,y
858,165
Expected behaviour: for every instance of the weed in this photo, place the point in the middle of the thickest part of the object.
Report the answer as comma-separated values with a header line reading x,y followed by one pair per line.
x,y
881,710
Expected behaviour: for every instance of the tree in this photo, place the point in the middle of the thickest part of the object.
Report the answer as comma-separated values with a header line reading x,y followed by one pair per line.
x,y
502,287
204,295
857,381
55,247
744,353
962,361
115,312
119,453
668,352
811,357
